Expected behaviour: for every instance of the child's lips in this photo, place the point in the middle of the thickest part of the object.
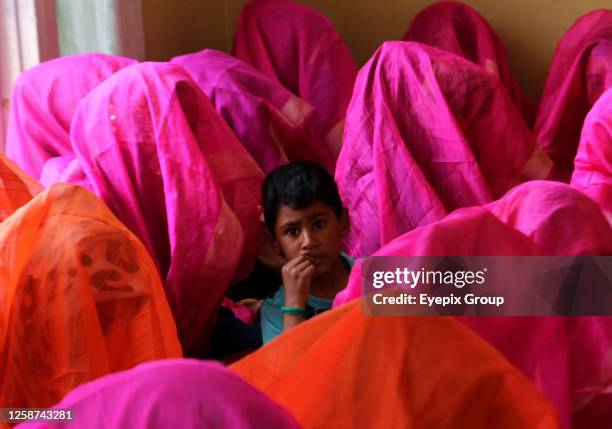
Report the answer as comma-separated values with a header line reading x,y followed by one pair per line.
x,y
316,259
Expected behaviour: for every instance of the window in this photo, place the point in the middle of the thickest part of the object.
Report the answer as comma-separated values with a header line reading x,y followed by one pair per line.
x,y
32,31
28,35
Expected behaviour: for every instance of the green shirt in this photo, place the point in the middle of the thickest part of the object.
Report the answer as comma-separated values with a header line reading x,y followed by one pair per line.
x,y
272,317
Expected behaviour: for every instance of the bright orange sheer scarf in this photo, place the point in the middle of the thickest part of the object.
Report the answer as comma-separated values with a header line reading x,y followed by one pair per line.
x,y
79,297
346,370
16,187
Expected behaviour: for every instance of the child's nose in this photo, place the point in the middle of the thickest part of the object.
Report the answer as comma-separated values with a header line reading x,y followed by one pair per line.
x,y
309,239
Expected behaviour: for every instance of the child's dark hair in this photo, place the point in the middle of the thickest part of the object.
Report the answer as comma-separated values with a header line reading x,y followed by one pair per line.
x,y
298,185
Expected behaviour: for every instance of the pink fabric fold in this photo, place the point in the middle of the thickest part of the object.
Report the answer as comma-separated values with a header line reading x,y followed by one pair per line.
x,y
64,169
549,350
427,132
559,219
172,393
593,162
459,29
43,102
581,70
165,162
271,122
302,50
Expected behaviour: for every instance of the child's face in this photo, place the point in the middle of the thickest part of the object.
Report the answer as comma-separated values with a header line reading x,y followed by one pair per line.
x,y
314,231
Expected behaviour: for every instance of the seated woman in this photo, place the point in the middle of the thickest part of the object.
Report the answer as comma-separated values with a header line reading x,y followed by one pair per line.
x,y
302,50
559,220
16,187
459,29
186,394
581,70
271,122
80,298
343,369
593,162
427,132
172,171
42,104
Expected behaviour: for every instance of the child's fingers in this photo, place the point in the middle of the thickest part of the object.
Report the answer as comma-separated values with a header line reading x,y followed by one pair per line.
x,y
309,270
296,265
303,266
296,261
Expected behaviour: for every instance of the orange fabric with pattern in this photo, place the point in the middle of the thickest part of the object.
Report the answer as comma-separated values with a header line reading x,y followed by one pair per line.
x,y
80,298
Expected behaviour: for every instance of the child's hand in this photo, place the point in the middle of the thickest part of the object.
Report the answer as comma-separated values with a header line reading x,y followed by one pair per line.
x,y
297,274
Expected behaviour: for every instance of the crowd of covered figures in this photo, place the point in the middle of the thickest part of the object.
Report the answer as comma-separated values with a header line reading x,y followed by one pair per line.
x,y
129,198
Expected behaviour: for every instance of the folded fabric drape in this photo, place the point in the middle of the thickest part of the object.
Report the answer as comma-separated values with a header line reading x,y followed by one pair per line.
x,y
172,393
344,370
593,162
80,298
459,29
559,219
16,187
427,132
301,49
270,121
42,105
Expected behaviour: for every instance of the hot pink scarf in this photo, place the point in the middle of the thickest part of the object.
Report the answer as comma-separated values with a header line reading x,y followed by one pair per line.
x,y
593,163
271,122
427,132
559,219
172,393
302,50
581,70
457,28
165,162
43,102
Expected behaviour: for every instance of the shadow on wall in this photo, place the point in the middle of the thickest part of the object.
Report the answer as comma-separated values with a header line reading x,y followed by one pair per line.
x,y
176,28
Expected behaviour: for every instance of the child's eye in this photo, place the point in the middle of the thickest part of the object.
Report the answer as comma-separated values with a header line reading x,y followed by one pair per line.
x,y
319,224
292,232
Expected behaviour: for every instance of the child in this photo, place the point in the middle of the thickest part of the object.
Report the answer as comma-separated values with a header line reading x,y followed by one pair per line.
x,y
304,214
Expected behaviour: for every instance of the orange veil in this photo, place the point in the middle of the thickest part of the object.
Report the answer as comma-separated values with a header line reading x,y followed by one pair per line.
x,y
79,295
16,187
346,370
